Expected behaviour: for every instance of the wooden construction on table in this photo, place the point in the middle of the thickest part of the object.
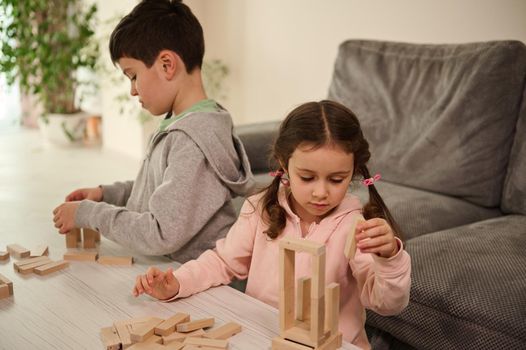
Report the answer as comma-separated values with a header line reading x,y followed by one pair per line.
x,y
317,327
145,330
206,342
168,327
350,243
178,337
89,238
110,339
18,251
72,238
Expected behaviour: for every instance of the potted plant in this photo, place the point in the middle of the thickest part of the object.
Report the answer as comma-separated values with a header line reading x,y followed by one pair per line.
x,y
43,45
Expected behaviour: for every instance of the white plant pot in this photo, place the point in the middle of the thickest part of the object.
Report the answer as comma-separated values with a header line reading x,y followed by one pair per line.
x,y
63,130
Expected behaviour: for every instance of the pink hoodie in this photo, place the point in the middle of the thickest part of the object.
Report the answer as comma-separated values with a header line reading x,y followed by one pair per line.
x,y
368,281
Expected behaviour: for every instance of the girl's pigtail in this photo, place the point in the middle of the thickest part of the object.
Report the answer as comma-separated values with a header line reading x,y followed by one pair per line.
x,y
273,214
376,207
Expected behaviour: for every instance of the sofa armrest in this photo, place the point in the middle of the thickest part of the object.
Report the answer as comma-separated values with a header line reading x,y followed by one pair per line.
x,y
257,138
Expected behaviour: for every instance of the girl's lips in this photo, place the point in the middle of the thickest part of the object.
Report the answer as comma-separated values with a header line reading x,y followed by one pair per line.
x,y
320,205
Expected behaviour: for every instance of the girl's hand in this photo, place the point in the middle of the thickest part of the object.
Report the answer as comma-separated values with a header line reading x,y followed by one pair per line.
x,y
158,284
94,194
64,216
375,236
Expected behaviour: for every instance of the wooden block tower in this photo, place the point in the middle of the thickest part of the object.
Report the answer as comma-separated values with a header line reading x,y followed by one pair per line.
x,y
313,322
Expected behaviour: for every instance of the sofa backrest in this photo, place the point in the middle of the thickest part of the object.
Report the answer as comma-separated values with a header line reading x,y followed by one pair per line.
x,y
514,193
437,117
258,139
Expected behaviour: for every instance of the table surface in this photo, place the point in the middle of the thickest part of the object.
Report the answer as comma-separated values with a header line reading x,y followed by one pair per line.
x,y
67,309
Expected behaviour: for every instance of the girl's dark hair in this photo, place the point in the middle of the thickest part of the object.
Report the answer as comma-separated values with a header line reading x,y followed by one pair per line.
x,y
156,25
319,124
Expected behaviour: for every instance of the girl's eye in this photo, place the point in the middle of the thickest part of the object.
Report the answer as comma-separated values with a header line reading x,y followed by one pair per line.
x,y
336,181
306,179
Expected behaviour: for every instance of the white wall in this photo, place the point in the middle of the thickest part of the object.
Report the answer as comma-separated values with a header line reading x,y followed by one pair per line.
x,y
281,52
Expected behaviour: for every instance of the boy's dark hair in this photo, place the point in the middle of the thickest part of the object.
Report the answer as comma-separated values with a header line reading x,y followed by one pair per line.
x,y
319,124
155,25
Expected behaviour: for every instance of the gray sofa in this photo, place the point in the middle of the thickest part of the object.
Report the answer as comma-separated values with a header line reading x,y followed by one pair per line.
x,y
447,129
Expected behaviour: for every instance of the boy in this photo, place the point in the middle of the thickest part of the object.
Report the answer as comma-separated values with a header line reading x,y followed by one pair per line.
x,y
181,200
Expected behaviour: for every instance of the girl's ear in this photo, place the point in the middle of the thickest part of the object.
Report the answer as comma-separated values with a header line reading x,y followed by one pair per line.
x,y
168,62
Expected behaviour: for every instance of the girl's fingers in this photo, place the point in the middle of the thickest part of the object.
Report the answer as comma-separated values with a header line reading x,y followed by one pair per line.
x,y
138,289
145,284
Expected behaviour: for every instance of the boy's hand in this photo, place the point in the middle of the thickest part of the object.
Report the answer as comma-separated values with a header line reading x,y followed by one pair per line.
x,y
376,236
94,194
158,284
64,216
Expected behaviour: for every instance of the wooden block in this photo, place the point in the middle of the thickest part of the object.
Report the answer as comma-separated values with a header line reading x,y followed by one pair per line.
x,y
168,327
303,299
97,236
193,325
332,307
41,250
81,255
115,260
224,332
4,255
147,346
124,334
110,339
302,245
153,339
286,288
213,343
174,346
72,238
146,330
18,251
350,243
4,291
6,281
28,268
51,267
89,238
20,263
180,337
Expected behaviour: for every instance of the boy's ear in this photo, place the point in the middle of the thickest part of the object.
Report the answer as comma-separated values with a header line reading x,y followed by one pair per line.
x,y
169,63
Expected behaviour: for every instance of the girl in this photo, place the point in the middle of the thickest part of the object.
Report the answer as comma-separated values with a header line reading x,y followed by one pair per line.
x,y
320,148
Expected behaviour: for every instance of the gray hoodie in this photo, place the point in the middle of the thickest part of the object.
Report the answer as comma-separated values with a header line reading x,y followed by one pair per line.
x,y
181,200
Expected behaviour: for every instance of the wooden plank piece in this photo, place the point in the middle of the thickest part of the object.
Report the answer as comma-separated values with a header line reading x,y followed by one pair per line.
x,y
20,263
7,281
224,332
213,343
51,267
167,327
18,251
41,250
350,243
110,339
4,291
72,238
193,325
146,330
28,268
115,260
4,255
81,255
88,238
180,337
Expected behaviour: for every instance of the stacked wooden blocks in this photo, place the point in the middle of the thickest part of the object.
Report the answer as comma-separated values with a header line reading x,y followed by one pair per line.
x,y
89,240
309,321
174,333
32,263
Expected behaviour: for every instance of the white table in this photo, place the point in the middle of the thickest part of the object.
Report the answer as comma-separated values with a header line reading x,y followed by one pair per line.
x,y
67,309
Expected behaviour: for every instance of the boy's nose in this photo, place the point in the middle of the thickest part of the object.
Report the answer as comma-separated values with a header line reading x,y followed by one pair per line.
x,y
133,91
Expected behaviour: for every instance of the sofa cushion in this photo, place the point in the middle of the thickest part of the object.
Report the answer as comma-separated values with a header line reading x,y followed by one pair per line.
x,y
438,117
514,193
419,212
468,287
257,138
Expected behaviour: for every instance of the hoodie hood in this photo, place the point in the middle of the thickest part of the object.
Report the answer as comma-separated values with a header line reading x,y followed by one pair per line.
x,y
229,161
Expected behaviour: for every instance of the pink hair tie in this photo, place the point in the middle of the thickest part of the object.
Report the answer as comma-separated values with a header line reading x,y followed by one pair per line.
x,y
370,181
277,173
